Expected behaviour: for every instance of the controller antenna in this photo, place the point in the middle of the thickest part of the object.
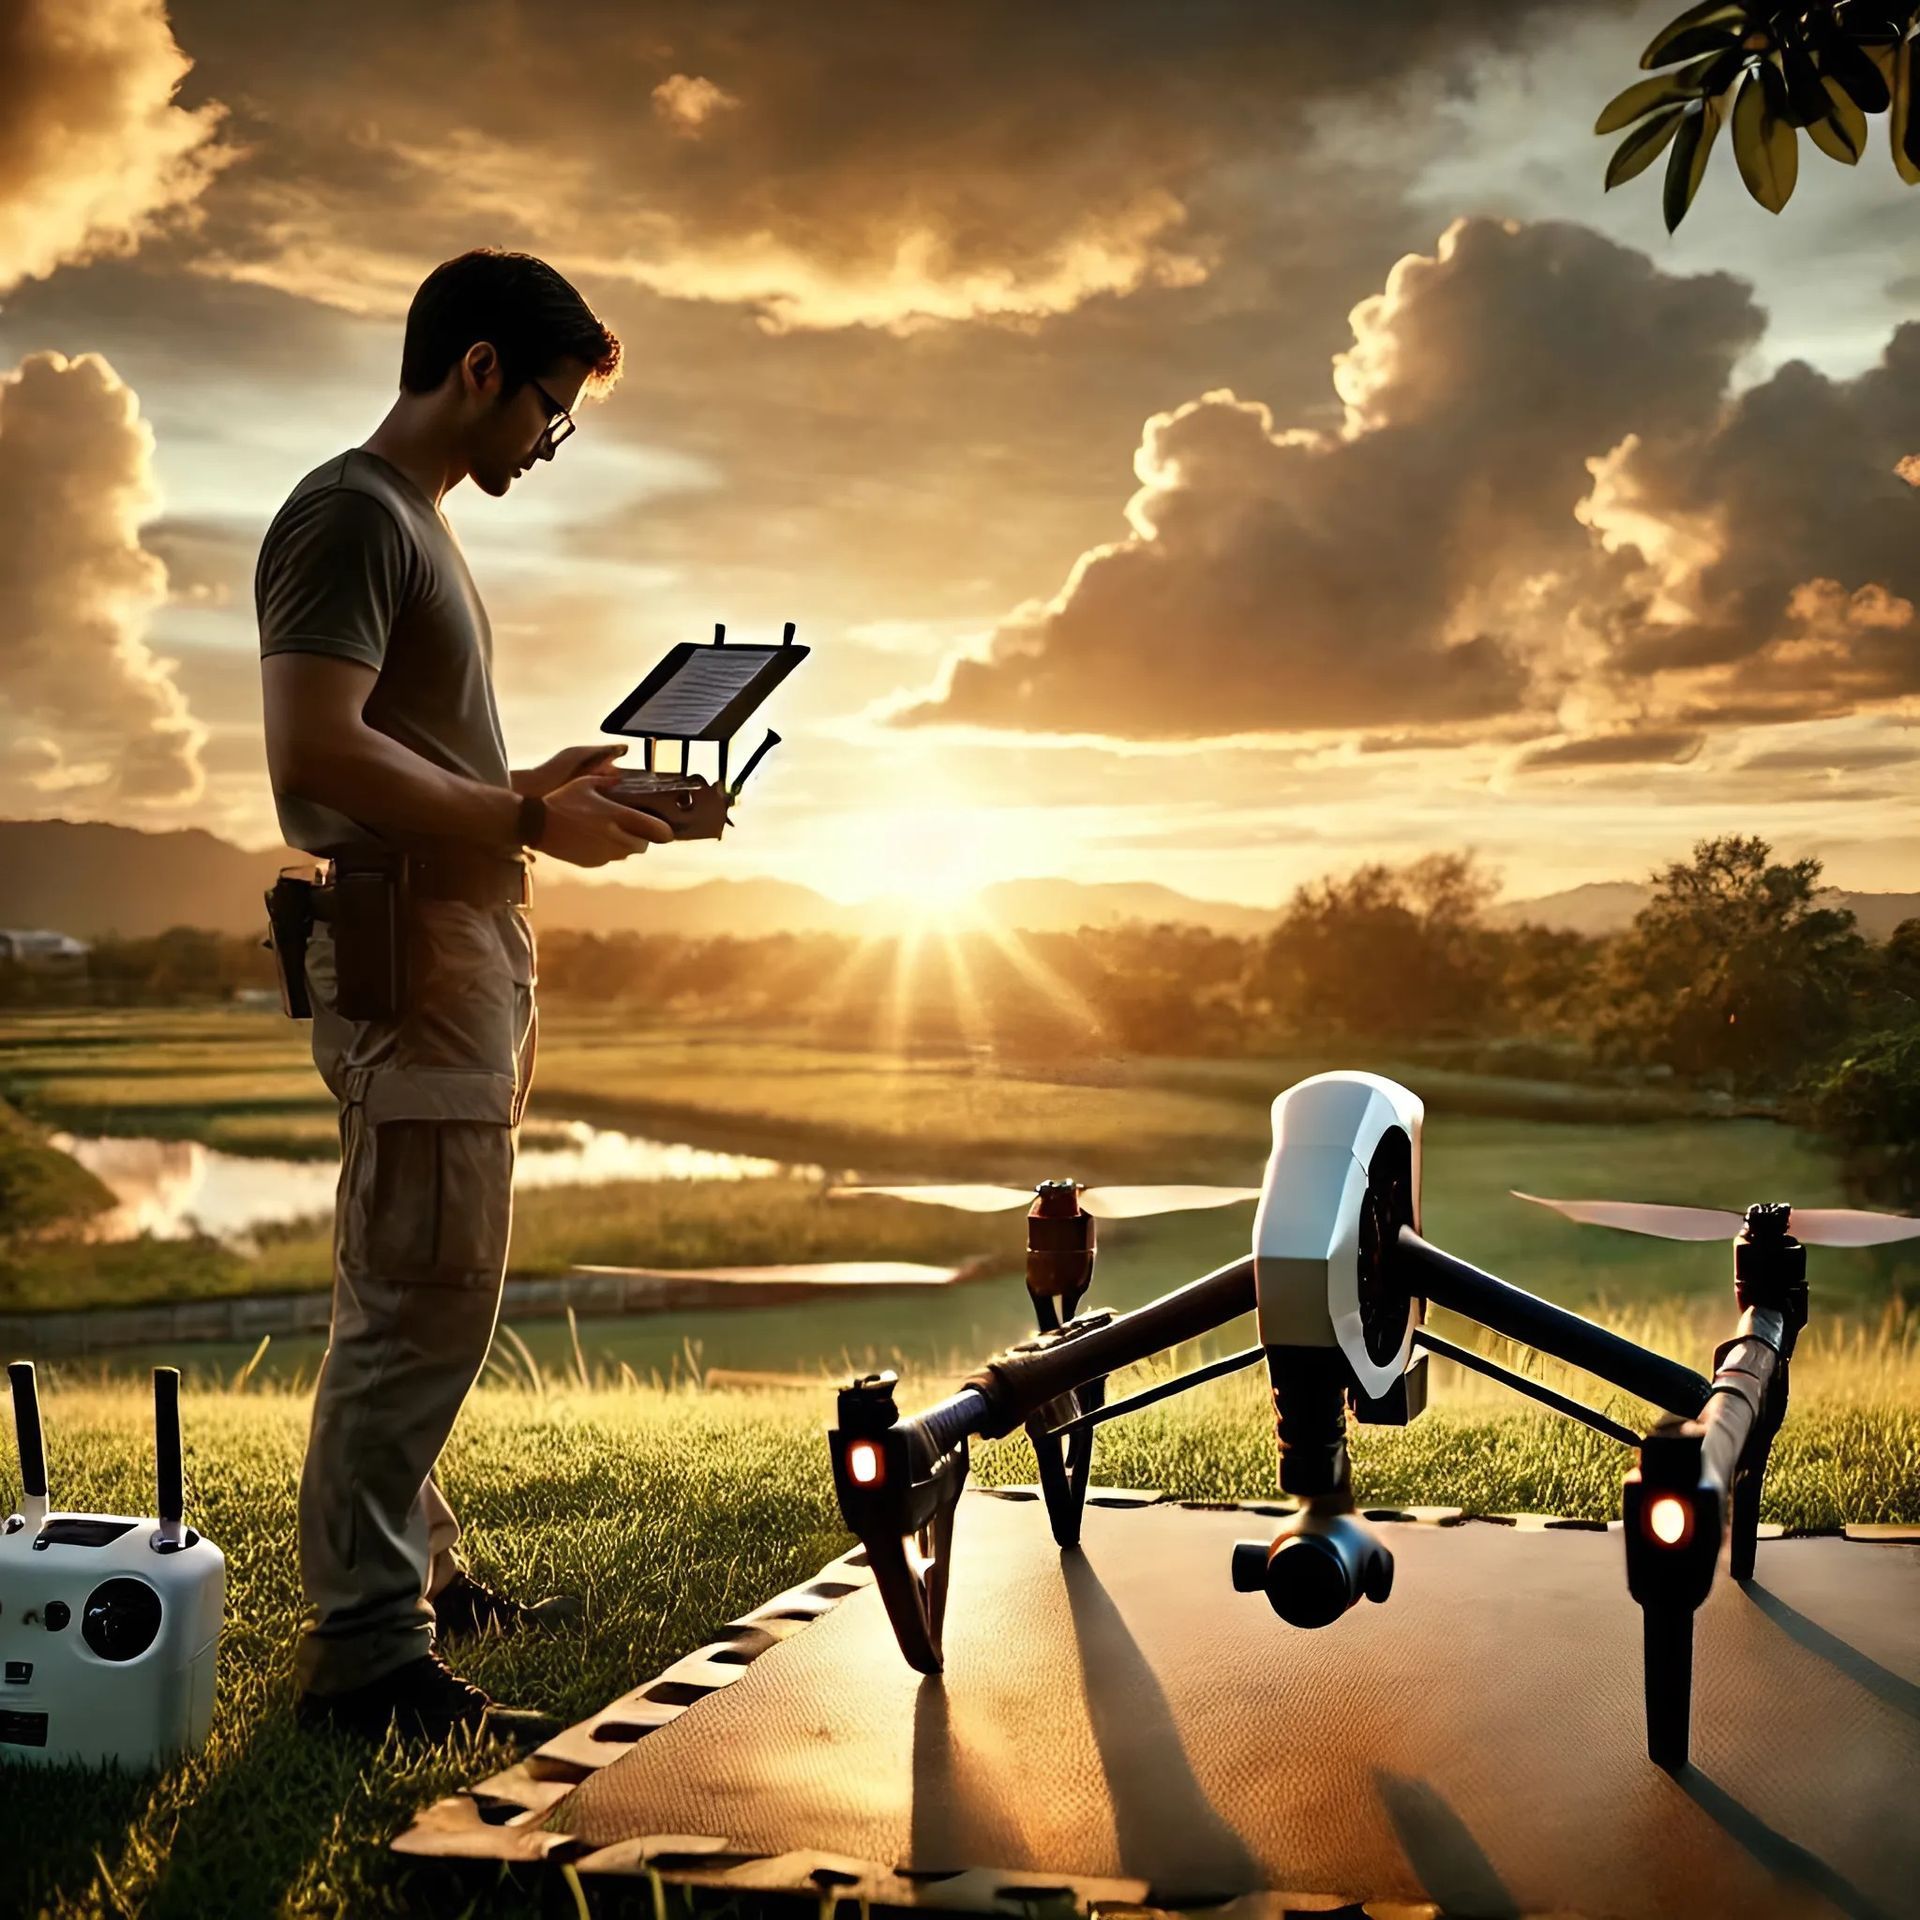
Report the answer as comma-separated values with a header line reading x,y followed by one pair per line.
x,y
753,761
786,639
33,1450
170,1468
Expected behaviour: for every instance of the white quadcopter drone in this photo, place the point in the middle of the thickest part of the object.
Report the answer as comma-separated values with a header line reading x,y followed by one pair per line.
x,y
1339,1278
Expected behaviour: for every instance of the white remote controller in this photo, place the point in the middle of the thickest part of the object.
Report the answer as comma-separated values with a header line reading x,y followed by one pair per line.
x,y
109,1625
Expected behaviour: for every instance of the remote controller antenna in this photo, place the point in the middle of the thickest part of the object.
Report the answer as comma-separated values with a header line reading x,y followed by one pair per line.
x,y
26,1433
170,1474
753,761
786,639
719,634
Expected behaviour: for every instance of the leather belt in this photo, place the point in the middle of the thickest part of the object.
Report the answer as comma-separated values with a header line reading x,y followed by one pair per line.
x,y
476,879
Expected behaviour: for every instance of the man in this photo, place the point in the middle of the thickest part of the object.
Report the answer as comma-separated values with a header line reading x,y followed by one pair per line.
x,y
385,751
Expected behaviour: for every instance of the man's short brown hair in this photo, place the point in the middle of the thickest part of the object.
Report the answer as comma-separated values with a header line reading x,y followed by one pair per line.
x,y
530,314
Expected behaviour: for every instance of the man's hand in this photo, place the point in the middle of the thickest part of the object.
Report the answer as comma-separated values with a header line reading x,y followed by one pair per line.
x,y
586,829
568,764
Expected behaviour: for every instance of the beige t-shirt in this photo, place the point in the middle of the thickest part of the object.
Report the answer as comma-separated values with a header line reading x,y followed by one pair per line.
x,y
359,562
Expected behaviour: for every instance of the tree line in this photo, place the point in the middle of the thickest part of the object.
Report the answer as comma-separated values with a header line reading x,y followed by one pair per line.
x,y
1735,975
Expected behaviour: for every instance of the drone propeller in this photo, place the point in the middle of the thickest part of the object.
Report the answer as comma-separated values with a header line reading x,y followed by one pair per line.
x,y
1104,1203
1811,1226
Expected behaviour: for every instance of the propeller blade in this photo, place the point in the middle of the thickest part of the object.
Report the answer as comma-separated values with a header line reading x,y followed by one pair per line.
x,y
969,1199
1849,1227
1646,1216
1134,1203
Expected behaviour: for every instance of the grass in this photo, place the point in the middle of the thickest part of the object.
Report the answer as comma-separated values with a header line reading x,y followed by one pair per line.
x,y
673,1509
39,1186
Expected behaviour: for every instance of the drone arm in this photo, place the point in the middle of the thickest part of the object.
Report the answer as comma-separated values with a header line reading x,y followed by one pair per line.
x,y
1017,1383
1165,1389
1559,1402
1495,1304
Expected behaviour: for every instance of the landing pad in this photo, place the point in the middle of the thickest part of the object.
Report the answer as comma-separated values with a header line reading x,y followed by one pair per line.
x,y
1118,1723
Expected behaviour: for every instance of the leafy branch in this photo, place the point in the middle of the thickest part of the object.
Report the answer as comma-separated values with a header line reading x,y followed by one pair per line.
x,y
1775,72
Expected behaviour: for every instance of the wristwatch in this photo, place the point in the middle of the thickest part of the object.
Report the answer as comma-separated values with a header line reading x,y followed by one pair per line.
x,y
531,822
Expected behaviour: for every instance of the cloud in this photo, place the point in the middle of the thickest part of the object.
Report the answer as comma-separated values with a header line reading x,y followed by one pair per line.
x,y
90,716
1775,565
687,102
1672,747
1419,566
94,152
859,166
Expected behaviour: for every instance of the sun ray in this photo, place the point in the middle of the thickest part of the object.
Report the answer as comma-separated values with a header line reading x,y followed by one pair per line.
x,y
1031,968
976,1026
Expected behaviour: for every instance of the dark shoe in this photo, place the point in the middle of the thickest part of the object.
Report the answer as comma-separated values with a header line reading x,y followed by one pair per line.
x,y
465,1606
425,1700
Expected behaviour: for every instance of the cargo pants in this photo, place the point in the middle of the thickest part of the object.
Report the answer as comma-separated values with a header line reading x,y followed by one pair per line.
x,y
430,1107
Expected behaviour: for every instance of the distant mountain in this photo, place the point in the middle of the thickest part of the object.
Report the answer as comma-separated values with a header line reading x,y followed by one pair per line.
x,y
1601,906
1606,906
1046,905
89,878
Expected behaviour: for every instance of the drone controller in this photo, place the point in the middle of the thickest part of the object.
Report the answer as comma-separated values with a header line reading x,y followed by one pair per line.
x,y
698,693
108,1625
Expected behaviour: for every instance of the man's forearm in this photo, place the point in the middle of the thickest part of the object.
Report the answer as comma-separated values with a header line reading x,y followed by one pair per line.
x,y
374,779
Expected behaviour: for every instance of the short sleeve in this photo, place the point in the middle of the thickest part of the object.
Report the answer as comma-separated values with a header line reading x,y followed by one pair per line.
x,y
332,577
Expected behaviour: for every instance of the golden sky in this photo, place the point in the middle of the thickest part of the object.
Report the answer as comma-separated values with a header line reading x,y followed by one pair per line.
x,y
1214,444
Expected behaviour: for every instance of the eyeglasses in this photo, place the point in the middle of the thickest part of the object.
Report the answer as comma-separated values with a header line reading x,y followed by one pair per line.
x,y
550,437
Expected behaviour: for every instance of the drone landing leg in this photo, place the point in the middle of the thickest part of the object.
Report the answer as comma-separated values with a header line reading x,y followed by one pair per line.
x,y
1066,1461
1667,1640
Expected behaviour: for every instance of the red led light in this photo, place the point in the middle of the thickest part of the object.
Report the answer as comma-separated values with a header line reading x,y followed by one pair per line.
x,y
1669,1520
863,1463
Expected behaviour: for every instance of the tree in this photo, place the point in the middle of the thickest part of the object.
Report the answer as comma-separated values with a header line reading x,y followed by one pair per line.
x,y
1385,952
1869,1101
1773,71
1733,968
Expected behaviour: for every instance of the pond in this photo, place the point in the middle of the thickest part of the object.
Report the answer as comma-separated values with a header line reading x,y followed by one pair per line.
x,y
173,1189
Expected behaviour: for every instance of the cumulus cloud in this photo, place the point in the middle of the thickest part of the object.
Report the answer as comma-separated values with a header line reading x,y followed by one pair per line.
x,y
88,715
1418,566
94,153
1775,568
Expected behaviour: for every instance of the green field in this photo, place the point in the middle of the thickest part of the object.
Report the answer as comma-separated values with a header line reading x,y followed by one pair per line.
x,y
240,1080
672,1512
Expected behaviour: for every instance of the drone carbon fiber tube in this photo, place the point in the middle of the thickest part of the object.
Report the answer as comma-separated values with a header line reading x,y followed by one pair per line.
x,y
1505,1308
1008,1388
1743,1371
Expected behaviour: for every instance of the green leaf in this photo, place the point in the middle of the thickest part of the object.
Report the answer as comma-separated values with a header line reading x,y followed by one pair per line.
x,y
1903,125
1766,149
1687,163
1809,98
1699,40
1842,133
1662,48
1644,95
1639,149
1844,60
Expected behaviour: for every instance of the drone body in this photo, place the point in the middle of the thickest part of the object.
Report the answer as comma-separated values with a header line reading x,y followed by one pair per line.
x,y
1339,1278
1343,1175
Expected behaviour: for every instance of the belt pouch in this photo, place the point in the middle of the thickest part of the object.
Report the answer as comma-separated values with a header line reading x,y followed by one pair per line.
x,y
289,922
370,943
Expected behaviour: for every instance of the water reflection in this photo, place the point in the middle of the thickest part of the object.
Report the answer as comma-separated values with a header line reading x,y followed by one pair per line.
x,y
174,1188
